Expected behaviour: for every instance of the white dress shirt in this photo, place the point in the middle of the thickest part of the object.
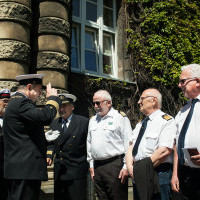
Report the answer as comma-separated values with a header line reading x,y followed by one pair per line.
x,y
159,133
107,136
68,121
192,138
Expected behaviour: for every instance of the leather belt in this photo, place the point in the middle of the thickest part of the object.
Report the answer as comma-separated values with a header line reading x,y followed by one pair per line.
x,y
102,162
164,167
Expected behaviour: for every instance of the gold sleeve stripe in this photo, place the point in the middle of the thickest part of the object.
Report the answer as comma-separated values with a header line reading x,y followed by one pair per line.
x,y
49,152
53,103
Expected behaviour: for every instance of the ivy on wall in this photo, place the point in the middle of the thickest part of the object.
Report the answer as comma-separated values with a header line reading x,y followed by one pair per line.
x,y
162,36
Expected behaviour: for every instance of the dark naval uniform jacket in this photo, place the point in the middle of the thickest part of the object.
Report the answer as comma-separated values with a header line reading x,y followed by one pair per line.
x,y
24,138
69,148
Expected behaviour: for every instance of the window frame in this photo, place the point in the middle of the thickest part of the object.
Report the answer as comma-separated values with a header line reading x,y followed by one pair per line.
x,y
101,29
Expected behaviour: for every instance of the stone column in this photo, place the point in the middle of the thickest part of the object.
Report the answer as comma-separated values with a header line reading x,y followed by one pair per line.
x,y
15,23
53,42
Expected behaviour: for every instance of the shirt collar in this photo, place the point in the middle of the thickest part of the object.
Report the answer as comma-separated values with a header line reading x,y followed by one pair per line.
x,y
68,119
154,114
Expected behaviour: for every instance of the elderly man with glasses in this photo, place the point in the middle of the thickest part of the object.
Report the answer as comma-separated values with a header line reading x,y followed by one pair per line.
x,y
149,156
107,142
186,173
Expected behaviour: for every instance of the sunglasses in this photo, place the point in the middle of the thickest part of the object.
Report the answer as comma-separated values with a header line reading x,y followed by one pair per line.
x,y
98,103
182,81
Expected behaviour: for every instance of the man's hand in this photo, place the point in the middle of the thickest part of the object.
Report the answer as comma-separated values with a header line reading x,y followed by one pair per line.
x,y
51,135
123,175
175,183
51,91
92,173
49,161
196,159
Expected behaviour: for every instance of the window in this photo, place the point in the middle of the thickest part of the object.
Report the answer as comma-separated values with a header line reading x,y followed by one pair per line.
x,y
93,37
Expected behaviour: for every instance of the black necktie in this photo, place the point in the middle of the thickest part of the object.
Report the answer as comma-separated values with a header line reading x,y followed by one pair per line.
x,y
181,139
141,133
65,125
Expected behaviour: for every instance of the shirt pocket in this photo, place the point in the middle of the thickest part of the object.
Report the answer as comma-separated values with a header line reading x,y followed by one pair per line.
x,y
109,132
151,141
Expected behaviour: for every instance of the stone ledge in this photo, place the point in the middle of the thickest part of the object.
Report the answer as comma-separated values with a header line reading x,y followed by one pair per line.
x,y
15,12
14,51
52,60
64,2
53,25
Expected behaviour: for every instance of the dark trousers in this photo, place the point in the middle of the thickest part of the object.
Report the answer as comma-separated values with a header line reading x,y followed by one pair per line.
x,y
23,189
189,179
164,172
106,182
70,189
3,186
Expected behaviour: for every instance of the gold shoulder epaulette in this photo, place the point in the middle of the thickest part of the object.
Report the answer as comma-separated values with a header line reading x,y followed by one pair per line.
x,y
49,152
166,117
53,103
122,113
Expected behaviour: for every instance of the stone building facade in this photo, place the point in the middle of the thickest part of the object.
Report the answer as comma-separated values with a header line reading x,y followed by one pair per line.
x,y
78,44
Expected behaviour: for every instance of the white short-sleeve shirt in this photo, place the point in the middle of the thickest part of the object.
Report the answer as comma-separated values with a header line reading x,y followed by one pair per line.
x,y
192,138
107,136
160,132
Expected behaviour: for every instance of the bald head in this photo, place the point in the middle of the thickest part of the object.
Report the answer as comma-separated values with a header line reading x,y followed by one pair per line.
x,y
154,92
150,101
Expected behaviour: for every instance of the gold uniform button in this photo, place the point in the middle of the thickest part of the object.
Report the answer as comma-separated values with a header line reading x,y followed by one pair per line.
x,y
60,158
60,151
74,136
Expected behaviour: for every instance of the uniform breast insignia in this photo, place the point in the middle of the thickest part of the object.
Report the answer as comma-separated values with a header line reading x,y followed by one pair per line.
x,y
166,117
122,113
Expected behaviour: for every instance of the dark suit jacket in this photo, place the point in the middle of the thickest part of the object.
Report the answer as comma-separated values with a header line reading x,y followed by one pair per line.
x,y
146,179
70,149
24,139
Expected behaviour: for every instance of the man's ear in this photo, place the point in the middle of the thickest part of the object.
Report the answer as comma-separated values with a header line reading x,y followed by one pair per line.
x,y
198,82
109,102
29,87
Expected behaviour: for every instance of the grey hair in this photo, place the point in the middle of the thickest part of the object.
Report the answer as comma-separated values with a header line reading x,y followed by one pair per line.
x,y
193,68
105,94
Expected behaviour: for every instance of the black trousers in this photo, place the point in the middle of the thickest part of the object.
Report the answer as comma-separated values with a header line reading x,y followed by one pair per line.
x,y
23,189
3,186
70,189
189,179
106,182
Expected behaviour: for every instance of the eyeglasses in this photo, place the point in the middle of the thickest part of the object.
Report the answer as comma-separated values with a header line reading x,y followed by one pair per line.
x,y
142,98
182,81
98,103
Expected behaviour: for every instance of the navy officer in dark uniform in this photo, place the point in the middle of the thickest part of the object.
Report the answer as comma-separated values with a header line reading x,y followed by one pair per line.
x,y
4,99
70,165
24,139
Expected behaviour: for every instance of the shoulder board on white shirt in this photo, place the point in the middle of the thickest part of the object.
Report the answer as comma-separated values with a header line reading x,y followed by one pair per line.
x,y
122,113
166,117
